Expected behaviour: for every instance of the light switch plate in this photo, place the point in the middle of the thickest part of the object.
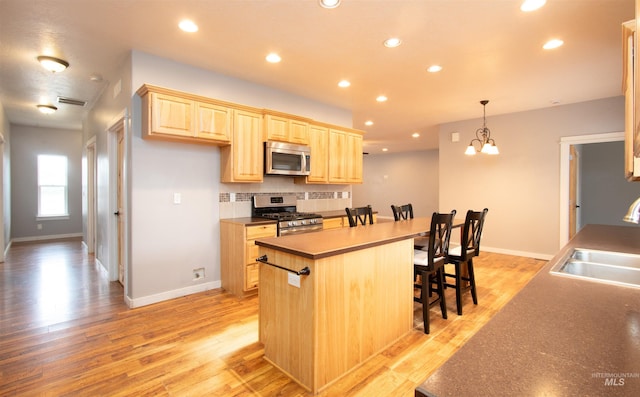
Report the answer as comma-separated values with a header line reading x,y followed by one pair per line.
x,y
294,279
177,198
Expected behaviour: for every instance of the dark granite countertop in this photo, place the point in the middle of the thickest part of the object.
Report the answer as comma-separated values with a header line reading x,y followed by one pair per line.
x,y
559,336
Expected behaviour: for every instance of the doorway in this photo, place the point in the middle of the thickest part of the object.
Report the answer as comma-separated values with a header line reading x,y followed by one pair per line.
x,y
118,231
91,195
570,180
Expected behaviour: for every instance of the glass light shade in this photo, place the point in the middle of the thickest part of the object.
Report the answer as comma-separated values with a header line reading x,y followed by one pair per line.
x,y
470,150
53,64
486,148
47,109
494,149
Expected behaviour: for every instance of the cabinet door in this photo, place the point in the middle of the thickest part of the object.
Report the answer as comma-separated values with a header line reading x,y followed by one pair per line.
x,y
171,115
247,162
354,158
319,145
299,132
338,156
277,128
214,122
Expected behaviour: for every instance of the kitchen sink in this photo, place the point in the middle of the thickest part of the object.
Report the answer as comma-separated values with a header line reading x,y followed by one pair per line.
x,y
601,266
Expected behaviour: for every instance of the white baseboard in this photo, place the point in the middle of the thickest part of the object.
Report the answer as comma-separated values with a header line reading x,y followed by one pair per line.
x,y
176,293
526,254
43,238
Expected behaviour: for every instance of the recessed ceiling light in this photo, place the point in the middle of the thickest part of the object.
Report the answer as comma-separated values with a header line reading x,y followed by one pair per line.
x,y
415,135
434,68
381,98
368,122
344,83
532,5
188,26
551,44
329,3
384,149
53,64
273,58
46,109
392,42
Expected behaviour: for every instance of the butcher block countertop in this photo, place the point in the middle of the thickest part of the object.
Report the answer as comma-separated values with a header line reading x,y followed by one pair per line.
x,y
342,240
559,336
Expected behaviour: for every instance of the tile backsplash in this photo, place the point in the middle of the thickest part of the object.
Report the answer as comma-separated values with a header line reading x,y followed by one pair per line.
x,y
238,204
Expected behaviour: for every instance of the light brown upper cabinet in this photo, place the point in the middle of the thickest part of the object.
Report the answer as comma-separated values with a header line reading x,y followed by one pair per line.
x,y
630,89
319,145
177,116
283,127
242,161
345,156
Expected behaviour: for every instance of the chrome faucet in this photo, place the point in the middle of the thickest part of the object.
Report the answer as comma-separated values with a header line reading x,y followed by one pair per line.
x,y
633,215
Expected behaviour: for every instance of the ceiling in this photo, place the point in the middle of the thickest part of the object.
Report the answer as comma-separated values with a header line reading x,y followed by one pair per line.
x,y
488,50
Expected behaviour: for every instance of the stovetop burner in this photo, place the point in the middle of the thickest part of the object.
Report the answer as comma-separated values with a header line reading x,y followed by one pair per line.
x,y
282,208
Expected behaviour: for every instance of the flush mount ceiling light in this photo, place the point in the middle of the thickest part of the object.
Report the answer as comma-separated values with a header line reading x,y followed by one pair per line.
x,y
553,43
381,98
46,109
434,68
344,83
188,25
329,3
53,64
483,136
368,122
392,42
273,58
415,135
532,5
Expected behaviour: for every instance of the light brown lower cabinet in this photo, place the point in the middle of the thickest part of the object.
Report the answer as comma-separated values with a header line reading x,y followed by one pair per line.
x,y
238,253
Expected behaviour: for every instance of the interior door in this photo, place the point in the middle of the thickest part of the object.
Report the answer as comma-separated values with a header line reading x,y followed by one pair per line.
x,y
120,201
573,190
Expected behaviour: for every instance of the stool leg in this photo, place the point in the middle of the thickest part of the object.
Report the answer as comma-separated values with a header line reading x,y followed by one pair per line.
x,y
425,300
458,287
472,281
443,302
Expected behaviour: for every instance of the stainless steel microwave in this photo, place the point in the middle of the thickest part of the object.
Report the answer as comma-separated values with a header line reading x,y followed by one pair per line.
x,y
282,158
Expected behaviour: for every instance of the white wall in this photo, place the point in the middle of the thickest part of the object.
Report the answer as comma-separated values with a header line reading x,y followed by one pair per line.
x,y
28,142
521,185
605,194
399,178
167,240
5,183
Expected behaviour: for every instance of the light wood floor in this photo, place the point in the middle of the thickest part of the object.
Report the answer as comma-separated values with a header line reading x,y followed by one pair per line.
x,y
65,330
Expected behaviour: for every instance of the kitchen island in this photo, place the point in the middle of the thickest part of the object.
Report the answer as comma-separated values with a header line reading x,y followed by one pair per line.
x,y
356,300
560,336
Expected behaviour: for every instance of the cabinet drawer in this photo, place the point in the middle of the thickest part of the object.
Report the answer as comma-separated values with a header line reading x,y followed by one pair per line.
x,y
252,252
252,276
254,232
332,223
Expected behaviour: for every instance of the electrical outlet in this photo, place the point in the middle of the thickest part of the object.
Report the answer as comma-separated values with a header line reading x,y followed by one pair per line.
x,y
39,226
198,273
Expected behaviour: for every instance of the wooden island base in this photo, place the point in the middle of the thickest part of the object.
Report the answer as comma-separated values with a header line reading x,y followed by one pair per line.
x,y
351,306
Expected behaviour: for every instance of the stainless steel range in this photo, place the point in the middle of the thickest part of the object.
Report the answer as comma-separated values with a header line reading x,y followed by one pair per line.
x,y
282,208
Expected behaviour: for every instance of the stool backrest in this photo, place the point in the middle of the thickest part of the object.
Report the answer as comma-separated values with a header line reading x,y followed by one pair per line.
x,y
362,215
402,212
439,236
471,233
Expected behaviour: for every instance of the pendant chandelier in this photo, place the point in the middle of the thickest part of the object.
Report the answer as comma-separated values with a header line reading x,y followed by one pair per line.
x,y
483,137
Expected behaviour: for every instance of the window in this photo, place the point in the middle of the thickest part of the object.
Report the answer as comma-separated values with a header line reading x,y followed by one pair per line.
x,y
52,185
